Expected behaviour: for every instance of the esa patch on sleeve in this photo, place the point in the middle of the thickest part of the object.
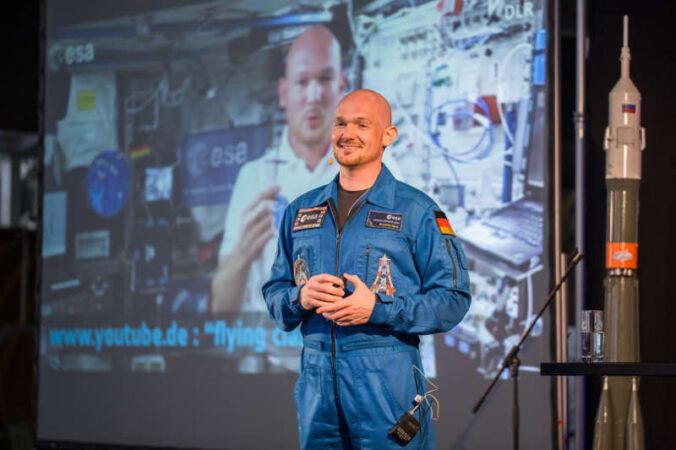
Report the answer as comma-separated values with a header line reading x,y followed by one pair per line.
x,y
443,223
308,218
389,221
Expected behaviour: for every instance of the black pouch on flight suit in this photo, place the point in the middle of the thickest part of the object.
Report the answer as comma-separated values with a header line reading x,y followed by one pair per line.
x,y
405,429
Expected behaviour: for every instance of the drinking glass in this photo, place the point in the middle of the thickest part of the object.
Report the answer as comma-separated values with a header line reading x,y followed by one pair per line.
x,y
592,335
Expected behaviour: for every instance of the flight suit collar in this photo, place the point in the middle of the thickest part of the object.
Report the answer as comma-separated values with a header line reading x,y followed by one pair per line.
x,y
380,194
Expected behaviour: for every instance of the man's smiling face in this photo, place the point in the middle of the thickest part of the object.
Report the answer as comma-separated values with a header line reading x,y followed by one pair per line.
x,y
361,129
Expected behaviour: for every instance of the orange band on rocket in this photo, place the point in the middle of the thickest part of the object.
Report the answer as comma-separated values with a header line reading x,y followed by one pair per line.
x,y
621,255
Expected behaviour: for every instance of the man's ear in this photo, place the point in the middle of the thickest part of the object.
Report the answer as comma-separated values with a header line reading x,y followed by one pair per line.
x,y
389,135
282,90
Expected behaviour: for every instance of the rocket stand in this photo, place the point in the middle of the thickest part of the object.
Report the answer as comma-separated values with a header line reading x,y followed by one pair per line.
x,y
512,361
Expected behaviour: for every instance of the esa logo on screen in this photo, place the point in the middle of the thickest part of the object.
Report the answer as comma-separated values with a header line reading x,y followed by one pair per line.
x,y
78,54
201,158
211,160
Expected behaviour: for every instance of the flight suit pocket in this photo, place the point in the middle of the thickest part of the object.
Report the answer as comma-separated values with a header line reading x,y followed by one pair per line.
x,y
383,405
310,399
461,254
381,266
305,262
458,263
391,391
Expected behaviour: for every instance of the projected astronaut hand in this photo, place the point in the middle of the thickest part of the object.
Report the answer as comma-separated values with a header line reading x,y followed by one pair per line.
x,y
258,226
310,90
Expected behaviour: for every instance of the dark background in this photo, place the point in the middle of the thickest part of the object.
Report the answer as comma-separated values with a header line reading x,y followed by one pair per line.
x,y
650,38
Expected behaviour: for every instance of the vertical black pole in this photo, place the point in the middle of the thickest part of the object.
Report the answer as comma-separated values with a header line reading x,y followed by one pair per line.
x,y
514,372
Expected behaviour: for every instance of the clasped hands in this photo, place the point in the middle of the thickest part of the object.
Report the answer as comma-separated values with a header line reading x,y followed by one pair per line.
x,y
325,293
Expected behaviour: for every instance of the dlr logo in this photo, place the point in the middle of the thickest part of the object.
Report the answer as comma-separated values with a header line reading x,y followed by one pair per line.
x,y
510,11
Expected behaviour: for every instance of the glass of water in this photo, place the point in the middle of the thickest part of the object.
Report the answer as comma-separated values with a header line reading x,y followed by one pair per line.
x,y
592,335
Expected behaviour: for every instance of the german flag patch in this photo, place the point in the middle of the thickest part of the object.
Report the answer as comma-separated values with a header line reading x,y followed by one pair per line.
x,y
443,223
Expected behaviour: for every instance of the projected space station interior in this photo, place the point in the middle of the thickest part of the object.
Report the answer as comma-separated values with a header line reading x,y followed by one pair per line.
x,y
176,135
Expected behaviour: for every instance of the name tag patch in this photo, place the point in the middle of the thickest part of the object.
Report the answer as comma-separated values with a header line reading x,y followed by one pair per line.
x,y
308,218
389,221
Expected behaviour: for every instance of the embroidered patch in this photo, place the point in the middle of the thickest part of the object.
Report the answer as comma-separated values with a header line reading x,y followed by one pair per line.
x,y
308,218
443,223
389,221
383,283
301,272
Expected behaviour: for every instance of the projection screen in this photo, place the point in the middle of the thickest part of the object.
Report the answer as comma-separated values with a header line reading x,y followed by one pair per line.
x,y
169,135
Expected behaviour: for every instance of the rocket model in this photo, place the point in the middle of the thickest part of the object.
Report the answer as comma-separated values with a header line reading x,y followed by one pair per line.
x,y
624,141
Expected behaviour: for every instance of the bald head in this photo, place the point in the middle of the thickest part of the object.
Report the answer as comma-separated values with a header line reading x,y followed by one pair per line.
x,y
311,87
381,106
316,41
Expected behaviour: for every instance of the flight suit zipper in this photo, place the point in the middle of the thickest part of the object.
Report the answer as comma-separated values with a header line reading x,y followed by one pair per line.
x,y
334,213
450,255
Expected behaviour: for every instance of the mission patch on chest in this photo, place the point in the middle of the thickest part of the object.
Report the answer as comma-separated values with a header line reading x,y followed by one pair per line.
x,y
389,221
308,218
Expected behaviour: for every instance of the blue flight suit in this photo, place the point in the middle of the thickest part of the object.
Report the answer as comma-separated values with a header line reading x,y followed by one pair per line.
x,y
357,381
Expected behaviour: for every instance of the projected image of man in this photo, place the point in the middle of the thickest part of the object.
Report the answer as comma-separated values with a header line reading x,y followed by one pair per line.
x,y
309,92
365,264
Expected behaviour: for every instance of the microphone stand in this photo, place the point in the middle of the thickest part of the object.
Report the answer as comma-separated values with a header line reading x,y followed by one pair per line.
x,y
512,361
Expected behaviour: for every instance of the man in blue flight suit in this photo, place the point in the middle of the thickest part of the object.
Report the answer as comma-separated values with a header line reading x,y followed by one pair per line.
x,y
408,276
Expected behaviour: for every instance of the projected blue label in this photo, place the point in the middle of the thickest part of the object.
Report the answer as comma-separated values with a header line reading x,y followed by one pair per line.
x,y
187,296
108,183
280,206
210,162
